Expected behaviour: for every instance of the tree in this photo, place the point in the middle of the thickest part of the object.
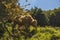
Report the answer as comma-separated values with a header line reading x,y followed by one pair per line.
x,y
52,20
10,13
39,16
9,10
54,17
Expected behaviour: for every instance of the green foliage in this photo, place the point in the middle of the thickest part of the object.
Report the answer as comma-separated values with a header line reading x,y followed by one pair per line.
x,y
46,33
49,17
38,14
43,33
9,10
1,30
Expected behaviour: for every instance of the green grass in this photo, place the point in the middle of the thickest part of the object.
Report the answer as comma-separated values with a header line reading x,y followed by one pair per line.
x,y
43,33
47,33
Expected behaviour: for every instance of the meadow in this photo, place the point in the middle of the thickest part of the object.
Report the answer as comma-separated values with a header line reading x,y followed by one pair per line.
x,y
43,33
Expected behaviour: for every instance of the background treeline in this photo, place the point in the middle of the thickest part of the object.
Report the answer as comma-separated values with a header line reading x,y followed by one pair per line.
x,y
49,17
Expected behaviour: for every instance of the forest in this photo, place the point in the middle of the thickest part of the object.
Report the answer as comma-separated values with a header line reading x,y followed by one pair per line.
x,y
34,24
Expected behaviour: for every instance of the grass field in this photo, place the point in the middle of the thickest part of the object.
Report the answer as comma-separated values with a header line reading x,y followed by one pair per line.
x,y
43,33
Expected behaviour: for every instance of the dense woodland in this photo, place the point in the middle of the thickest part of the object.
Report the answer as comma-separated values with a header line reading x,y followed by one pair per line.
x,y
49,17
34,24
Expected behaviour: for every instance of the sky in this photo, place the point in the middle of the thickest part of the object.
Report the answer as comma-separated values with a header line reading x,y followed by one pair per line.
x,y
43,4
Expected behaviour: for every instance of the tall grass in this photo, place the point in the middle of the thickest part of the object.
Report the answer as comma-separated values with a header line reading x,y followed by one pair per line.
x,y
43,33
